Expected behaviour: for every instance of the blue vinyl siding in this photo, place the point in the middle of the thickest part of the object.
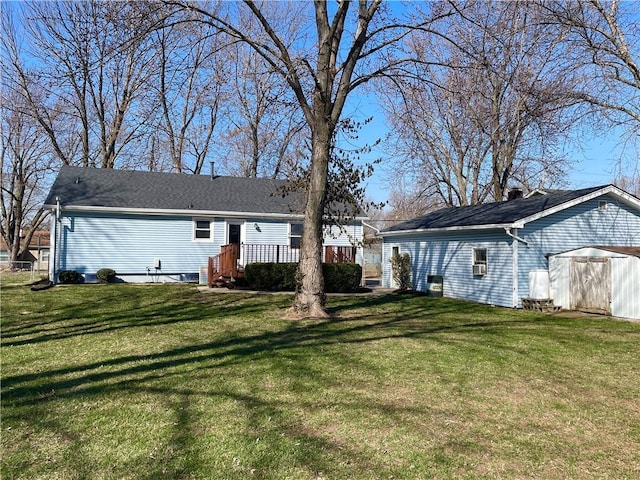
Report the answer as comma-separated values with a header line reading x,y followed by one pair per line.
x,y
269,232
576,227
451,255
130,243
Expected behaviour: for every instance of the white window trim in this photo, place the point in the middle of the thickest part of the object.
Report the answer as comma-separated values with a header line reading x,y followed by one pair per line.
x,y
294,236
479,267
195,228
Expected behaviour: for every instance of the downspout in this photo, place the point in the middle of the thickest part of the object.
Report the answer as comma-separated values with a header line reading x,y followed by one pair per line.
x,y
514,260
514,236
53,255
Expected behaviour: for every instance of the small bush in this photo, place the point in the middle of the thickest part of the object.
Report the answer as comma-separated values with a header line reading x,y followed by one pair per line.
x,y
106,275
281,277
271,277
401,269
341,277
69,277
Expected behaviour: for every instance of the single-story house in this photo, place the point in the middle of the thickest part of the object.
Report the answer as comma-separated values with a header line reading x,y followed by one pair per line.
x,y
36,257
602,279
485,253
163,227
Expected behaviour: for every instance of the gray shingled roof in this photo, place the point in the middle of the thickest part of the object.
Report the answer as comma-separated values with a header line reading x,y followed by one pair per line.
x,y
496,213
123,189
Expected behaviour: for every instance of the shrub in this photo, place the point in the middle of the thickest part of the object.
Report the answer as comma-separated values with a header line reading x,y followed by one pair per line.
x,y
69,277
341,277
344,277
106,275
272,277
401,269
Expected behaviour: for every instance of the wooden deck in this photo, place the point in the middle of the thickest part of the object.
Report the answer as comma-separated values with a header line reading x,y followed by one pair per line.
x,y
223,269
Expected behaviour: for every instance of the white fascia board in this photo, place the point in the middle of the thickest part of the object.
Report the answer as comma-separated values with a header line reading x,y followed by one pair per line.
x,y
609,189
493,226
189,213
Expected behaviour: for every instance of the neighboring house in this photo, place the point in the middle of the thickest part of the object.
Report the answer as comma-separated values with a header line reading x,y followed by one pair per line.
x,y
150,226
36,257
485,253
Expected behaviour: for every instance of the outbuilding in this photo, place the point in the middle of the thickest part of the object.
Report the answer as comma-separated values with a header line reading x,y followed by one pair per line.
x,y
487,253
602,279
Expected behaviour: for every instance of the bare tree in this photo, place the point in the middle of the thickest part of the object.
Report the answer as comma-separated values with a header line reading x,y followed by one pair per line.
x,y
322,71
87,68
25,160
191,74
265,128
604,44
629,183
485,106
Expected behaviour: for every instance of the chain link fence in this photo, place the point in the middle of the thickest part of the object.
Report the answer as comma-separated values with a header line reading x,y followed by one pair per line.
x,y
19,266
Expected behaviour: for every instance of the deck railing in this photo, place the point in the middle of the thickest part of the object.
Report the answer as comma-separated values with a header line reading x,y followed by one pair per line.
x,y
257,253
225,264
334,254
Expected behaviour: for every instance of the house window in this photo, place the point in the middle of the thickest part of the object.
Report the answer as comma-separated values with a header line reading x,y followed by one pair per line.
x,y
295,235
479,261
602,205
202,229
4,255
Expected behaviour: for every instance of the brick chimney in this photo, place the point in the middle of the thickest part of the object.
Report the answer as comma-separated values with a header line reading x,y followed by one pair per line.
x,y
514,194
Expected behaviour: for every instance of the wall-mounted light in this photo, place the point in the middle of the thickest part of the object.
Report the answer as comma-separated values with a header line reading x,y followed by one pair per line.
x,y
257,227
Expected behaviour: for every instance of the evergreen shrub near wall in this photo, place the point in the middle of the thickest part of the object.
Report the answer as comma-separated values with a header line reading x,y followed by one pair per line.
x,y
281,277
401,270
271,277
69,277
341,277
106,275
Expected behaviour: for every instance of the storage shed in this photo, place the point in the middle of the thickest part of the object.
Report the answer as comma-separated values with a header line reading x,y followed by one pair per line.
x,y
602,279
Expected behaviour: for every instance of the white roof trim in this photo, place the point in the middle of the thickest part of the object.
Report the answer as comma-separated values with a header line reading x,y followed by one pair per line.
x,y
609,189
537,191
495,226
185,212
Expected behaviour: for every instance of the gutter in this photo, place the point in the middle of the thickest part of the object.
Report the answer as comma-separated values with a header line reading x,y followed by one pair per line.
x,y
377,230
520,239
181,212
447,229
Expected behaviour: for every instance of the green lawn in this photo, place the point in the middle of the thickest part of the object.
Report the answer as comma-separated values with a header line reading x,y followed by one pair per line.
x,y
146,382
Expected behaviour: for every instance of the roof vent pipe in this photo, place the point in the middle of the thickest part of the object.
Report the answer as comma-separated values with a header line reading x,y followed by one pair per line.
x,y
212,168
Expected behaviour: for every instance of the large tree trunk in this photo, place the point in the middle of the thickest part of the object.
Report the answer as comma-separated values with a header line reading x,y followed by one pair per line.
x,y
310,298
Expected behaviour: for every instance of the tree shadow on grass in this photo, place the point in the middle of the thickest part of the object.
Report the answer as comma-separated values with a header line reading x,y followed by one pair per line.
x,y
163,373
106,314
90,378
